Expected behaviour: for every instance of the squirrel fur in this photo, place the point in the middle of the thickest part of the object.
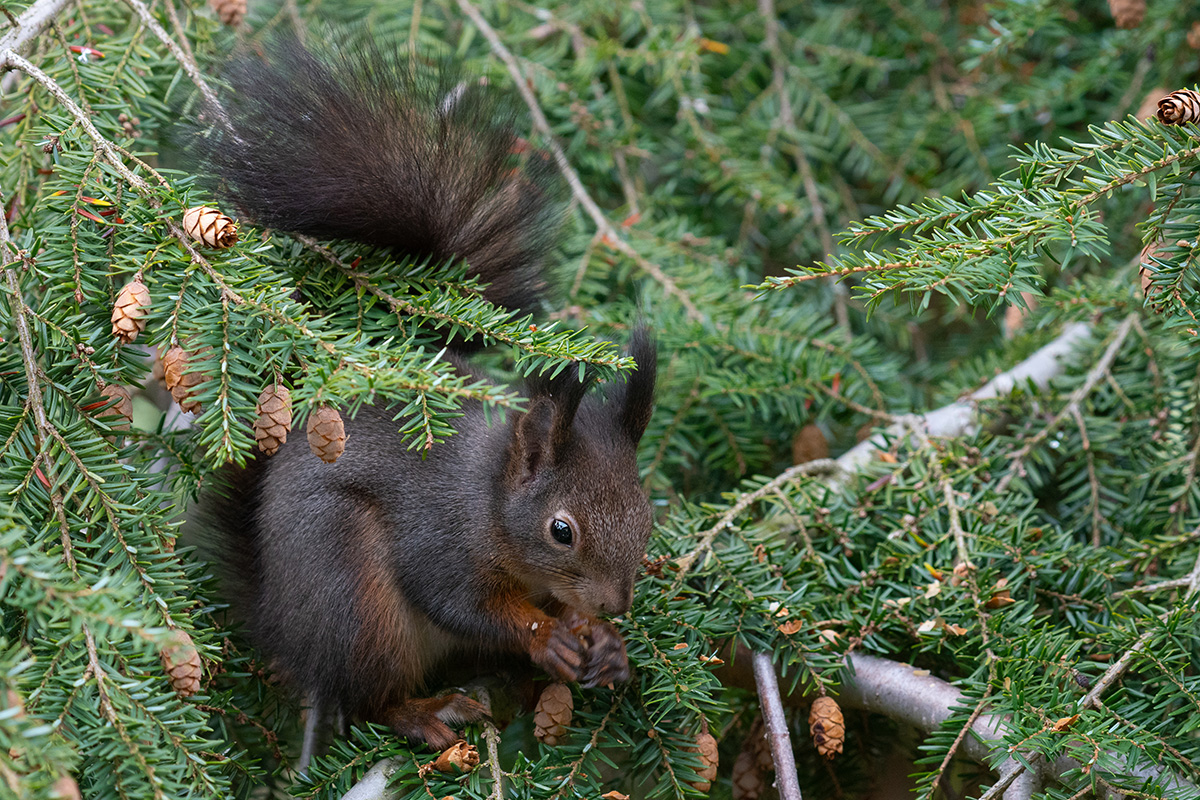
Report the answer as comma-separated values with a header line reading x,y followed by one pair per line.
x,y
357,579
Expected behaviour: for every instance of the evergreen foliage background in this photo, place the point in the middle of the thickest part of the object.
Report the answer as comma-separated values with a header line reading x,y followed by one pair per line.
x,y
945,162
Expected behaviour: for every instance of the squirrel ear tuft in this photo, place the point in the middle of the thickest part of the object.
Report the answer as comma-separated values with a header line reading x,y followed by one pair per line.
x,y
637,398
543,430
531,444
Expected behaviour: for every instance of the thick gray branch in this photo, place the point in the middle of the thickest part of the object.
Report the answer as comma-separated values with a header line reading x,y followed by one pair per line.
x,y
29,25
960,418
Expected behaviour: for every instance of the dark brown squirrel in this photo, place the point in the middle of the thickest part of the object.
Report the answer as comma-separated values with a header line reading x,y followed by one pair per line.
x,y
357,579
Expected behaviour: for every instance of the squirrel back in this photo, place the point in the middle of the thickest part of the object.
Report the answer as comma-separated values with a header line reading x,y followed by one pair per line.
x,y
358,578
348,139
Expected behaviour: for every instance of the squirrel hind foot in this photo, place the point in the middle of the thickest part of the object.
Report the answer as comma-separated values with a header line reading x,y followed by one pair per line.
x,y
428,719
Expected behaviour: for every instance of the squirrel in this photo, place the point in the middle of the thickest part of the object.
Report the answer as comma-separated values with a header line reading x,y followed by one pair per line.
x,y
357,579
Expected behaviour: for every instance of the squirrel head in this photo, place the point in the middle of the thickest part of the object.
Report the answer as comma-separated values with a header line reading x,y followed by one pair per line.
x,y
575,518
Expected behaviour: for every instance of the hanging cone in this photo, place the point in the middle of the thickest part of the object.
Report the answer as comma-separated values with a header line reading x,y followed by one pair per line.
x,y
326,433
827,726
1127,13
274,409
130,309
552,716
181,662
230,12
123,408
1147,267
752,764
809,444
211,227
706,748
181,382
65,788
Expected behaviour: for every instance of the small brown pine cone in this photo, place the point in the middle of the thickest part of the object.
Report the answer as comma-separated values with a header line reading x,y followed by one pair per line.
x,y
459,757
13,702
552,716
230,12
211,227
1193,36
123,408
326,434
706,748
181,662
827,726
1127,13
809,444
65,788
129,312
181,382
747,778
1179,107
274,410
1147,267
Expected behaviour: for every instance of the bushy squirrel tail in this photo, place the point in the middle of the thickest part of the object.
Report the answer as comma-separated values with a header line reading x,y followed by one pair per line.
x,y
356,141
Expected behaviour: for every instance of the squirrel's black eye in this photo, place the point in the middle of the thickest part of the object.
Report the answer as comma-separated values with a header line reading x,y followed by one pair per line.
x,y
561,531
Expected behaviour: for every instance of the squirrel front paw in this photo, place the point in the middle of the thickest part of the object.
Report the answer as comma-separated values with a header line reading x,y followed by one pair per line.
x,y
606,660
556,649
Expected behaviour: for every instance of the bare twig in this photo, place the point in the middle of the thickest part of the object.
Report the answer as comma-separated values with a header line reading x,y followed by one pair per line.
x,y
786,779
492,735
609,233
956,528
818,466
184,58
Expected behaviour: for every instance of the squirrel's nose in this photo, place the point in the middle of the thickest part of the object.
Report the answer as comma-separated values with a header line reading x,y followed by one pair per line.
x,y
619,599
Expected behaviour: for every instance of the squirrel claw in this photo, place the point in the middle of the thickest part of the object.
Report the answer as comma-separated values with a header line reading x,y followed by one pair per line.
x,y
607,662
558,651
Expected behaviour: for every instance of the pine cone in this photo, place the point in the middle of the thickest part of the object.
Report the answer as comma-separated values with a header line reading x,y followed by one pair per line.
x,y
123,408
181,662
181,382
1127,13
1147,267
274,409
1193,36
552,716
65,788
210,226
747,778
809,444
129,312
12,701
460,757
706,747
326,434
230,12
827,726
1179,107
